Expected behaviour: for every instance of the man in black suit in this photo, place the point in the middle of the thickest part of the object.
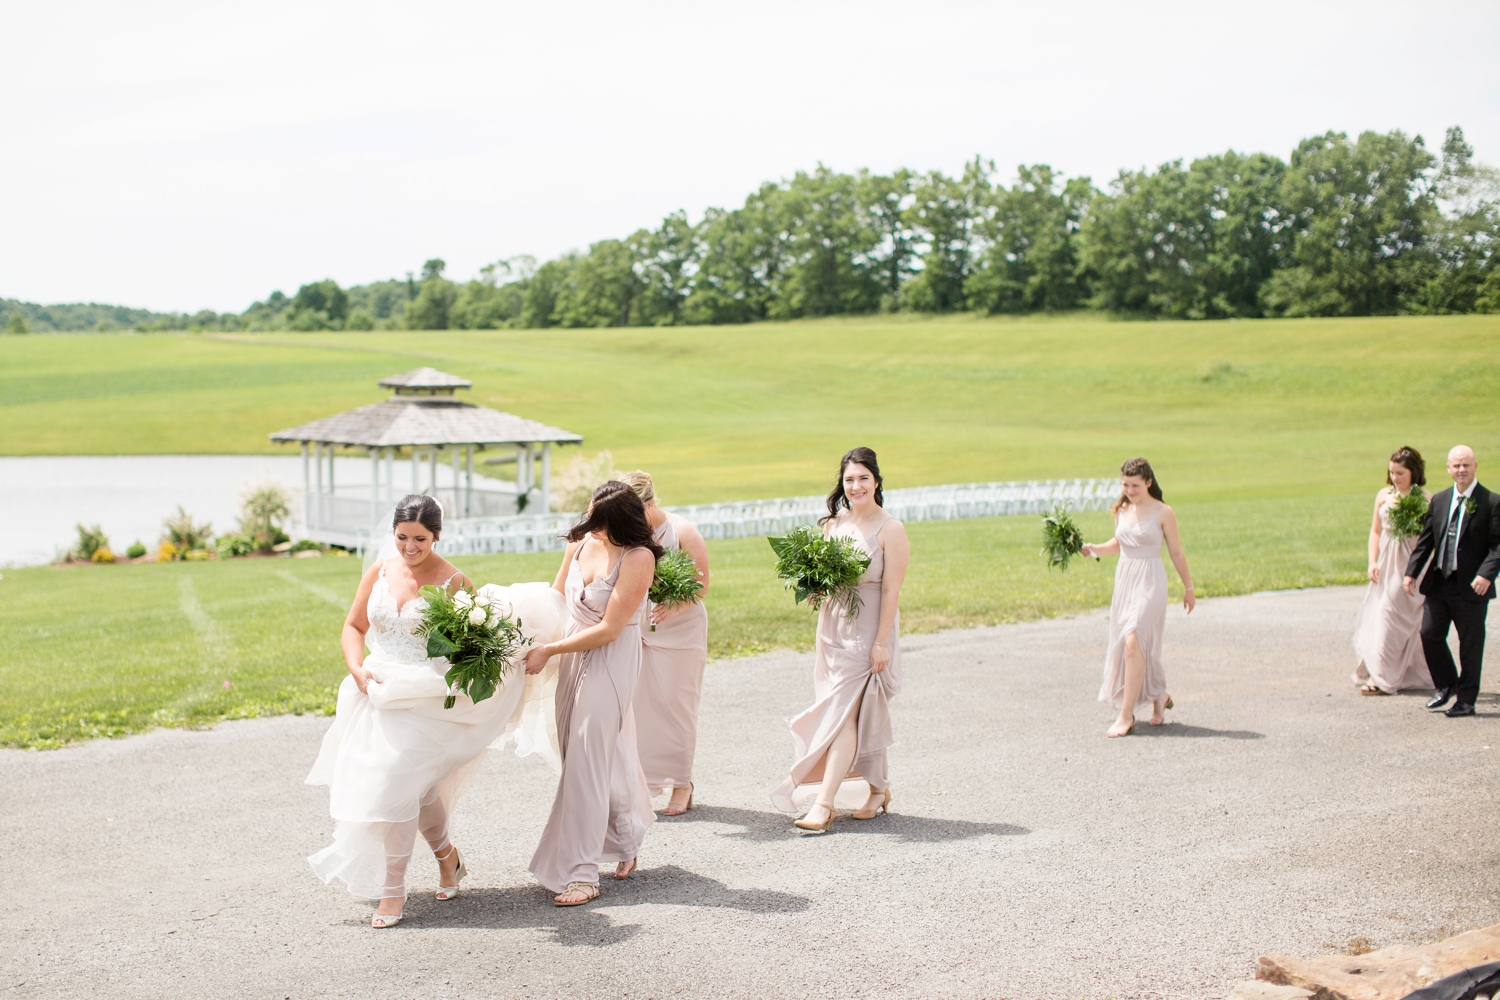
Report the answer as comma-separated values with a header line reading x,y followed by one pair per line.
x,y
1462,533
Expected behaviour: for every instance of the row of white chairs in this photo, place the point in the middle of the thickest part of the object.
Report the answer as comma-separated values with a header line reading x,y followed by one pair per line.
x,y
754,518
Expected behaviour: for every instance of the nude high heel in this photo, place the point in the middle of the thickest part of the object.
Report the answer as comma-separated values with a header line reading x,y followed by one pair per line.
x,y
884,807
446,892
669,811
805,824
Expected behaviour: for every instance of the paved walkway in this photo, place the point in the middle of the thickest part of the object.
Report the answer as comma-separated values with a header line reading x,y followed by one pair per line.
x,y
1028,857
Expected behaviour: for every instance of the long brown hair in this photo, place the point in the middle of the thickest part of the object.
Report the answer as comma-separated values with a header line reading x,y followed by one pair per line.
x,y
621,515
836,500
1412,459
1137,467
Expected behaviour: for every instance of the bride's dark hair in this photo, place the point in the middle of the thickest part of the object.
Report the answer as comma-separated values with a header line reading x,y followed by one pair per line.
x,y
422,509
621,515
836,500
1141,469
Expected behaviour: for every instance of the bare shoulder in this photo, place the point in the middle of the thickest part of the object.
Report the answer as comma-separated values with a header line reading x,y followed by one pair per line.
x,y
1166,513
1382,493
687,529
892,528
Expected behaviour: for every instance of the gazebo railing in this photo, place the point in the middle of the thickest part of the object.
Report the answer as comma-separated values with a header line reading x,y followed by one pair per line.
x,y
753,518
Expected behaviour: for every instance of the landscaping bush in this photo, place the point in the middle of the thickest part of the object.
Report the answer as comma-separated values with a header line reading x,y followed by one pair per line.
x,y
261,512
135,551
184,534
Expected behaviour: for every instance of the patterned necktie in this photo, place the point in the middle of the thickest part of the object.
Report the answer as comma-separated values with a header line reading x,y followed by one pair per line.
x,y
1449,563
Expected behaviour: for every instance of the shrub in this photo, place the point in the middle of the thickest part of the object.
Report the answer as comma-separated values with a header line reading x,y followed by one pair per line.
x,y
235,545
167,552
90,540
306,545
135,551
184,533
102,555
573,486
359,320
197,554
261,511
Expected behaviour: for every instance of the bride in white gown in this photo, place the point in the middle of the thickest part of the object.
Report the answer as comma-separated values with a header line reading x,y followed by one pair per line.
x,y
395,761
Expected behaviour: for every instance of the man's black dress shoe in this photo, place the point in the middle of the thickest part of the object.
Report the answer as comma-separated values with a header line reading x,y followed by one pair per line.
x,y
1440,698
1460,709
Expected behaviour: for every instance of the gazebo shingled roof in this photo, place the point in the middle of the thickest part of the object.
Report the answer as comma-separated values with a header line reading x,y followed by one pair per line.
x,y
425,420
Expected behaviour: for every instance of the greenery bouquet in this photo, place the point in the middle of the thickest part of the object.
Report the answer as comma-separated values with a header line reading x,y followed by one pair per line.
x,y
479,637
819,569
1408,514
676,580
1061,539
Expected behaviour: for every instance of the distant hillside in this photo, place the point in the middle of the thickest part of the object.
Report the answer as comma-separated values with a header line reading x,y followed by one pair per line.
x,y
77,316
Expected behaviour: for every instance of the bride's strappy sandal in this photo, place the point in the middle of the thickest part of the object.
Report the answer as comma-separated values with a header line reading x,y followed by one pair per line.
x,y
590,892
446,892
381,920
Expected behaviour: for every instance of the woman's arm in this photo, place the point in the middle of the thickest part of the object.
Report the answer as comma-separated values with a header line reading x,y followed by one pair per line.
x,y
636,573
897,548
560,583
1109,548
355,627
1179,559
1373,547
692,543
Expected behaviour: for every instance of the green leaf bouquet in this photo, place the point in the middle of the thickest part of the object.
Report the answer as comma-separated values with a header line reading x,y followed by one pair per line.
x,y
676,580
479,636
1061,539
818,569
1408,515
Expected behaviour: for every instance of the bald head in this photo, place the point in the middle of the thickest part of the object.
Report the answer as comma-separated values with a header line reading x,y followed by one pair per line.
x,y
1462,466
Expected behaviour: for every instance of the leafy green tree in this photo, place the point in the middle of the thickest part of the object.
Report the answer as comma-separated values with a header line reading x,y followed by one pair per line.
x,y
545,291
16,324
322,296
1195,243
666,260
359,320
602,288
1465,237
746,254
886,202
946,212
1360,213
1031,258
433,307
830,272
433,268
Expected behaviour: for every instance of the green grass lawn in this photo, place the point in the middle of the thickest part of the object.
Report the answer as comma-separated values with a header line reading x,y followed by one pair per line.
x,y
1270,438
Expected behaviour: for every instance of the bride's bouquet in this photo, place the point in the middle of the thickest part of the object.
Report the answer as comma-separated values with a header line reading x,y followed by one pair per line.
x,y
1061,539
676,580
1408,515
479,637
819,569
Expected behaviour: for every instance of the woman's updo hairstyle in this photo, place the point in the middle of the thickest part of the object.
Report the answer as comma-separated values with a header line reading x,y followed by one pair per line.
x,y
640,483
1141,469
1412,459
836,500
422,509
619,513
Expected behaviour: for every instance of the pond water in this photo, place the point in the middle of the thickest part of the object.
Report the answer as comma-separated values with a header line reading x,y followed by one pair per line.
x,y
43,498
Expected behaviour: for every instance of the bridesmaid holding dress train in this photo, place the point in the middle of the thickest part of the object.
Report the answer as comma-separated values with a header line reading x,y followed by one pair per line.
x,y
1387,634
673,656
1138,610
857,669
602,808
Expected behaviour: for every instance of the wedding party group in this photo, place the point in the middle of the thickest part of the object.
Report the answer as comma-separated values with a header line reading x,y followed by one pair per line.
x,y
607,662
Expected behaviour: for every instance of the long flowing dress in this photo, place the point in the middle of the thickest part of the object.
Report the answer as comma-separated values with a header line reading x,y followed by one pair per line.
x,y
396,761
1139,605
843,683
602,808
1387,633
671,686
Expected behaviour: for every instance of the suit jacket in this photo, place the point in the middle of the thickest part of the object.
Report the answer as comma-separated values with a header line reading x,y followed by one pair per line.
x,y
1478,542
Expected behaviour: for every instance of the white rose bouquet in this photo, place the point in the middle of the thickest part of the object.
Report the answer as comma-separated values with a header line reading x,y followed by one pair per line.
x,y
479,637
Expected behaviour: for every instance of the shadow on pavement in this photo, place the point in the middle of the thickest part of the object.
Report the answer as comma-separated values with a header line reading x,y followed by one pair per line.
x,y
530,906
770,826
1197,732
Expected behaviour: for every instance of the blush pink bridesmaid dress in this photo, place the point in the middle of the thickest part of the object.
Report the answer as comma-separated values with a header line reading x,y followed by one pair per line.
x,y
1139,605
602,808
843,683
1387,633
670,688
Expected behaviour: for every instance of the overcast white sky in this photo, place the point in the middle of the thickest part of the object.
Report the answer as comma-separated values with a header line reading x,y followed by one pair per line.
x,y
180,156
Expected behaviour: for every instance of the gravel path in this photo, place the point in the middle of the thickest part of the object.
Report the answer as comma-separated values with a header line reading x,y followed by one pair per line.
x,y
1027,857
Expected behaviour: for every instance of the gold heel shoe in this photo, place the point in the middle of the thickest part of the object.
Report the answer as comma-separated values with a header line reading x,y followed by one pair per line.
x,y
804,824
884,807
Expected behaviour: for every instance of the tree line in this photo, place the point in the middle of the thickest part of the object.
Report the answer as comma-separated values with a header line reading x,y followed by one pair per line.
x,y
1343,227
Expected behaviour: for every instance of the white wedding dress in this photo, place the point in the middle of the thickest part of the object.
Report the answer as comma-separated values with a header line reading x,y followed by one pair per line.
x,y
396,761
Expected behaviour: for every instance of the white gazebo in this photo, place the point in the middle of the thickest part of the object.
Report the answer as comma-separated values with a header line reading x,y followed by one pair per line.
x,y
423,420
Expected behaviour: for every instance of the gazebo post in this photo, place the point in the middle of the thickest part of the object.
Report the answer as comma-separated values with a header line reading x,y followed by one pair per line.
x,y
374,483
469,483
306,489
457,503
390,477
318,504
547,478
432,470
330,470
416,469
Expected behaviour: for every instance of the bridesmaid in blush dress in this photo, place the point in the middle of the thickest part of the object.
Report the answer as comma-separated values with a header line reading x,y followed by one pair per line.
x,y
602,808
1387,634
672,660
857,668
1138,610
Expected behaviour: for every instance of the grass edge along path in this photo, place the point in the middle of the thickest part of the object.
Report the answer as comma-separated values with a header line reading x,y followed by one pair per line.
x,y
106,651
